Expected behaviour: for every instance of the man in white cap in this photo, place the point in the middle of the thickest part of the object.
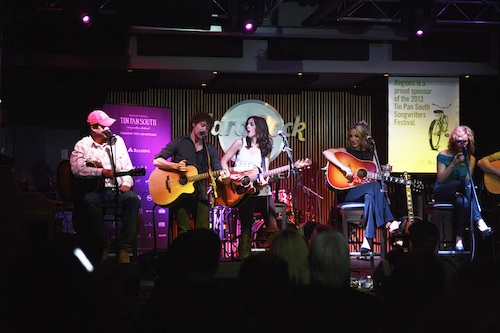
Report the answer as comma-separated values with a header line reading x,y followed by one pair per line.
x,y
96,159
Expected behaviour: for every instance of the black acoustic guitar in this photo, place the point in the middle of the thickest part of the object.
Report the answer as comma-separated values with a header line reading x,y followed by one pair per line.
x,y
92,184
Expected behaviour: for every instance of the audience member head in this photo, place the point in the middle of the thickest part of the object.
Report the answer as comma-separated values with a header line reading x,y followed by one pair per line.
x,y
307,229
419,277
289,245
329,259
263,273
263,293
424,236
320,228
192,257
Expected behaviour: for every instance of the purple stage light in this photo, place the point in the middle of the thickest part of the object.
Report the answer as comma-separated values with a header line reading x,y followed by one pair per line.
x,y
86,19
249,26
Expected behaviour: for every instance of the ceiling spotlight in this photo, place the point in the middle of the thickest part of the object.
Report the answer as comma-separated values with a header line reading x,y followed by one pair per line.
x,y
250,15
418,15
249,26
86,19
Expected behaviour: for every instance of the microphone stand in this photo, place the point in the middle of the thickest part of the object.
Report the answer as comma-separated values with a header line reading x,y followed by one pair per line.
x,y
298,180
310,193
111,142
211,174
383,189
472,198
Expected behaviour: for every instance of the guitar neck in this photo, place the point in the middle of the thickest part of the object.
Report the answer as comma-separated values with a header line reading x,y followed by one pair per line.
x,y
391,179
133,172
275,171
206,175
409,204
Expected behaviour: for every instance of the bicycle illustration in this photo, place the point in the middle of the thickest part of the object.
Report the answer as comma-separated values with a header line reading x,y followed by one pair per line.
x,y
438,127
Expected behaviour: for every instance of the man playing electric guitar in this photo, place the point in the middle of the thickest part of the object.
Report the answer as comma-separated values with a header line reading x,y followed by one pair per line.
x,y
111,154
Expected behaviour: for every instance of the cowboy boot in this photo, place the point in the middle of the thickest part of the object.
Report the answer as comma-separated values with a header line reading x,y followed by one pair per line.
x,y
244,246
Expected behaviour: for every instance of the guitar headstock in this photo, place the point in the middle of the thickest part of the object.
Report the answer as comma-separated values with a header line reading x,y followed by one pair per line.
x,y
300,164
138,172
416,184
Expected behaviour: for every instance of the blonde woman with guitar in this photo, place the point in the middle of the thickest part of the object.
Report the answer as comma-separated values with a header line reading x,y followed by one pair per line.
x,y
359,150
255,149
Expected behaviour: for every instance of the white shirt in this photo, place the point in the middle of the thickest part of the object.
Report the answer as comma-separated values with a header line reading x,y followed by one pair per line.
x,y
87,150
248,157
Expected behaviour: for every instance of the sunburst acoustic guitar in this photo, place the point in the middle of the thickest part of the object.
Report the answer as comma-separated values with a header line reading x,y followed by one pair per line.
x,y
233,194
362,172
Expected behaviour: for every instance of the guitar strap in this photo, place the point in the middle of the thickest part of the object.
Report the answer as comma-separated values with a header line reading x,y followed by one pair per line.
x,y
211,174
264,168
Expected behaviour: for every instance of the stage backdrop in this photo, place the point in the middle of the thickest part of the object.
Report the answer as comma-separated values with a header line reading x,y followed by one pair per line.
x,y
146,130
422,112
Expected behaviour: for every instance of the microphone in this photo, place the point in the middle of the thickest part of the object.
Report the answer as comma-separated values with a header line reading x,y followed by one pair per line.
x,y
463,145
369,138
203,133
282,134
108,133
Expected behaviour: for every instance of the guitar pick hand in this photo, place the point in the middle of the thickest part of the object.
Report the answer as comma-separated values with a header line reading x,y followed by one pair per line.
x,y
107,173
124,188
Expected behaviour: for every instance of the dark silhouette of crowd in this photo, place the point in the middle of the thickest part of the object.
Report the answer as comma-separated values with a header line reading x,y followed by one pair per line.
x,y
299,284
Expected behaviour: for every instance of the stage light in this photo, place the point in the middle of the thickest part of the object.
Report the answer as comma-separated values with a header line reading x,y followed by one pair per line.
x,y
249,26
86,19
250,15
418,16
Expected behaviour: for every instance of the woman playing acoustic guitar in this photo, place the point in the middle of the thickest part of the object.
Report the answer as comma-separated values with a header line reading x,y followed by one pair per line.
x,y
254,149
377,211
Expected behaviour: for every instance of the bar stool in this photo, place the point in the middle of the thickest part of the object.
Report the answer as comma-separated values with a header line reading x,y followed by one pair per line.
x,y
352,214
281,217
353,224
443,216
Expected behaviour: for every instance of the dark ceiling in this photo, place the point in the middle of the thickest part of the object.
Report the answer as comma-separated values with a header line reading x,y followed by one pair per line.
x,y
40,35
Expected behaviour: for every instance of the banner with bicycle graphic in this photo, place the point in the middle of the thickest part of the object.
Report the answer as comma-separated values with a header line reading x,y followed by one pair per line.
x,y
422,113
